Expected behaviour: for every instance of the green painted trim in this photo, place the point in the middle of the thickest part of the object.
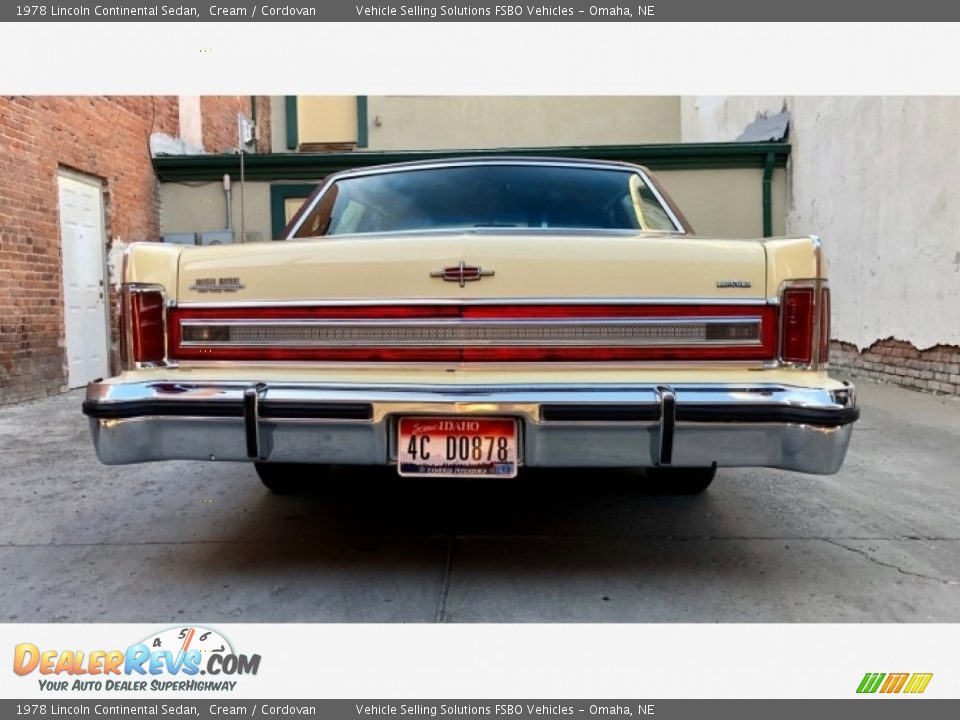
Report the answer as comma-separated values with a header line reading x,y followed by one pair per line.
x,y
314,166
768,165
293,133
363,130
278,197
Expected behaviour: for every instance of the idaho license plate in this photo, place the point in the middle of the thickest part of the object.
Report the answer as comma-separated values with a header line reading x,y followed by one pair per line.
x,y
456,446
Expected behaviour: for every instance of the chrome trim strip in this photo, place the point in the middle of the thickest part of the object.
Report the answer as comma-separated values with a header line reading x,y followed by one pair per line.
x,y
462,397
391,302
313,365
817,300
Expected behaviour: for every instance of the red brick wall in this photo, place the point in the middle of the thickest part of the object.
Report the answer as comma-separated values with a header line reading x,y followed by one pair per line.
x,y
99,136
936,369
220,121
104,137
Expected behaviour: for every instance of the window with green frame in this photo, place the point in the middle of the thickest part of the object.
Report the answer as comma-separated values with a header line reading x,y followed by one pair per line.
x,y
285,200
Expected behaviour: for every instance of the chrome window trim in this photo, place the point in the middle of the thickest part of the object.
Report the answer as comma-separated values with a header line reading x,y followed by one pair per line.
x,y
680,229
462,231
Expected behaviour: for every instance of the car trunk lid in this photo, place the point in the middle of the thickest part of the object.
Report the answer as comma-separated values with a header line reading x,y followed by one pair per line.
x,y
495,264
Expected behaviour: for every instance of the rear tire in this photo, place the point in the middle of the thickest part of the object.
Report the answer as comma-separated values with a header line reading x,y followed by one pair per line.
x,y
681,480
291,478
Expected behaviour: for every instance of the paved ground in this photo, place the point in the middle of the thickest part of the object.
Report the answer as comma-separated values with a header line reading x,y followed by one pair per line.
x,y
878,542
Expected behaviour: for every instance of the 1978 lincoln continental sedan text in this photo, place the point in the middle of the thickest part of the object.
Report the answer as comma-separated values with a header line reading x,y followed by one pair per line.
x,y
470,317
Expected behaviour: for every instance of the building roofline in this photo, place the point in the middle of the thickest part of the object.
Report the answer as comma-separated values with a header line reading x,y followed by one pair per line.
x,y
313,166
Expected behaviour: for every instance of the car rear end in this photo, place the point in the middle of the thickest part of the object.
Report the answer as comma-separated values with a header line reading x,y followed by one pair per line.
x,y
479,352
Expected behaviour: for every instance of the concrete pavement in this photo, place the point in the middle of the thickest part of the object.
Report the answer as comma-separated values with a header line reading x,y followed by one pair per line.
x,y
205,542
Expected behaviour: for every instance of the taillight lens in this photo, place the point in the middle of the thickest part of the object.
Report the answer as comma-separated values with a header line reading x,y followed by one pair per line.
x,y
824,325
145,318
475,333
800,335
797,341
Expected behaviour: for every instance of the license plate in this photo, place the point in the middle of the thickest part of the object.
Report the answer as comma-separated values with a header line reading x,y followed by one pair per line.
x,y
454,447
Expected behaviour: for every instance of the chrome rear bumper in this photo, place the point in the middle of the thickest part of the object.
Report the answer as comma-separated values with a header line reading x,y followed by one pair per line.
x,y
757,425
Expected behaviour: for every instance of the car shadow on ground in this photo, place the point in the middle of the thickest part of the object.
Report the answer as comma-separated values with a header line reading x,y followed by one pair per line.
x,y
562,523
354,502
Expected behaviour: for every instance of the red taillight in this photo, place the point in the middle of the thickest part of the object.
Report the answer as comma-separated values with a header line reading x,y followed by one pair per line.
x,y
805,325
146,326
797,325
739,332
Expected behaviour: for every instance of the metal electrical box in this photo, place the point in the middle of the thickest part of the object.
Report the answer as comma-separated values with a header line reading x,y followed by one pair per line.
x,y
180,238
216,237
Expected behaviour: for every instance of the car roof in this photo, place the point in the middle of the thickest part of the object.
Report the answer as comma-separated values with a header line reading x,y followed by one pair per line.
x,y
469,160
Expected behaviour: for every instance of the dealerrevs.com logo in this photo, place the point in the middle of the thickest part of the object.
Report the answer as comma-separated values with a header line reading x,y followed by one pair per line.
x,y
172,660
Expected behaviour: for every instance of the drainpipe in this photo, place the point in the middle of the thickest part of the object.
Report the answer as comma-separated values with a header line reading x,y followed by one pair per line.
x,y
229,193
767,195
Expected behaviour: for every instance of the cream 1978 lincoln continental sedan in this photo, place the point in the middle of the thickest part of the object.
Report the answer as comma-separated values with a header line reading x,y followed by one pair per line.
x,y
469,317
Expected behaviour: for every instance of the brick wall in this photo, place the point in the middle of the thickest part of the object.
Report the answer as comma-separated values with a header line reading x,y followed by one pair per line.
x,y
103,137
936,369
106,138
220,121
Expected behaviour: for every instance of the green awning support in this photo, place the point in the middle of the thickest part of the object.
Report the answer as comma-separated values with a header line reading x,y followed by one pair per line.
x,y
768,166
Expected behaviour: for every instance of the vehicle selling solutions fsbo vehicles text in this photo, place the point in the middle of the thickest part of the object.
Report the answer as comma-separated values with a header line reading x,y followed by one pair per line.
x,y
503,11
422,11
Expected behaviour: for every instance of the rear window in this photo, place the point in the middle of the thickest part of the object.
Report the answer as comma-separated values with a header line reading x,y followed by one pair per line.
x,y
487,196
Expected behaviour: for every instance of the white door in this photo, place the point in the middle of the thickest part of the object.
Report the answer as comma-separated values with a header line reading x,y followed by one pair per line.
x,y
83,244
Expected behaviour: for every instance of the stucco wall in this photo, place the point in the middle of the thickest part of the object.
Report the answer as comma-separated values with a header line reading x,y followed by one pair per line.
x,y
878,179
727,202
449,122
192,208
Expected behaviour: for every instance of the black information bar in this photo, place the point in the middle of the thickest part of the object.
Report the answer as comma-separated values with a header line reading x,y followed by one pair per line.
x,y
471,11
866,708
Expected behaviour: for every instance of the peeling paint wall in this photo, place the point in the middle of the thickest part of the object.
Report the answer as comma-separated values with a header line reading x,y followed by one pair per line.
x,y
878,179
